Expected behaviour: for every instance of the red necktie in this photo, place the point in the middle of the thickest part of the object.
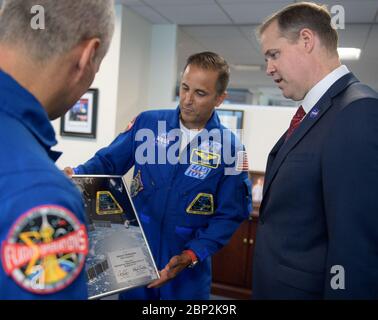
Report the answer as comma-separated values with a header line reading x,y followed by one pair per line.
x,y
299,115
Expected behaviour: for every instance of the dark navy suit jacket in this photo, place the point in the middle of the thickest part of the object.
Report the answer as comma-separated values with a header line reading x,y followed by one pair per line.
x,y
320,205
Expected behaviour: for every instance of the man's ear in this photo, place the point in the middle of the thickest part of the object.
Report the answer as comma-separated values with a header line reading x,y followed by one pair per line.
x,y
87,57
307,36
221,98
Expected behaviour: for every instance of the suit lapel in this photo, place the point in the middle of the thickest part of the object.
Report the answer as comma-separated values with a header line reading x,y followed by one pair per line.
x,y
271,157
307,123
276,157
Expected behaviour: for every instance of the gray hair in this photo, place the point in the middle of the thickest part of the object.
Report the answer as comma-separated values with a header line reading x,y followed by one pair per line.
x,y
67,23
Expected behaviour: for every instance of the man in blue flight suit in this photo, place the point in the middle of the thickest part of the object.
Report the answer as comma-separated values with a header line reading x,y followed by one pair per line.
x,y
42,73
190,195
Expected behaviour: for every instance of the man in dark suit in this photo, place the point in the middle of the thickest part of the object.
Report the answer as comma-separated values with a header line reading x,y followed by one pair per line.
x,y
318,230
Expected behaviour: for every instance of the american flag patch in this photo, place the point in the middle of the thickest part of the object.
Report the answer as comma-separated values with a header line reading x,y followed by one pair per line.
x,y
242,161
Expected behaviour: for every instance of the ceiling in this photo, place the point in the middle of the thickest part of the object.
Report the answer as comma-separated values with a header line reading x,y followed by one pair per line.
x,y
227,27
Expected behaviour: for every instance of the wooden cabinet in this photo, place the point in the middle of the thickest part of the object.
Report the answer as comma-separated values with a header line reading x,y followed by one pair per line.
x,y
232,266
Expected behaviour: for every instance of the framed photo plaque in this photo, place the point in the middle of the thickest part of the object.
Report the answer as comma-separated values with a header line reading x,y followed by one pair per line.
x,y
119,256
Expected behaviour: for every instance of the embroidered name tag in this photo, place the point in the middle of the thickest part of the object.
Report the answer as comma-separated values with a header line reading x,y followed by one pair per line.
x,y
197,171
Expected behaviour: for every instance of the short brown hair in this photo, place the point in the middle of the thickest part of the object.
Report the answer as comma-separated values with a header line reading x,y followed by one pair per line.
x,y
293,18
212,61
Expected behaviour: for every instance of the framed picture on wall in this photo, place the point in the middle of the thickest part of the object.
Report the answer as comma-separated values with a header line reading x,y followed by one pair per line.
x,y
81,119
257,179
232,119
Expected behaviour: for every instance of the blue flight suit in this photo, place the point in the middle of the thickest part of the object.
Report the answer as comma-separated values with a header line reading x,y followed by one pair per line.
x,y
39,206
181,206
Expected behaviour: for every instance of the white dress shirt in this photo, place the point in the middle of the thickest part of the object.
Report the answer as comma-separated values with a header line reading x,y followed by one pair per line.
x,y
317,91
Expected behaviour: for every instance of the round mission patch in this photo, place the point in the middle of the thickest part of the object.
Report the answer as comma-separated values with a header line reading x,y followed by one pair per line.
x,y
45,249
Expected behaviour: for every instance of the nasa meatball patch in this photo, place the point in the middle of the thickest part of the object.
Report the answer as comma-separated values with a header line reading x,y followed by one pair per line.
x,y
45,249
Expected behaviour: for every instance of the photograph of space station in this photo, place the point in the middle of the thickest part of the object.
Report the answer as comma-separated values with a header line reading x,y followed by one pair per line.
x,y
119,257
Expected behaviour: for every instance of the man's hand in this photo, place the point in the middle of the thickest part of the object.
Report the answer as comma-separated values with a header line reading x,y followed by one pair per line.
x,y
68,171
171,270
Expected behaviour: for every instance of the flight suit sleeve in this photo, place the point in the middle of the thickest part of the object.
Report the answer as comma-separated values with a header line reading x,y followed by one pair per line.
x,y
115,159
45,243
233,205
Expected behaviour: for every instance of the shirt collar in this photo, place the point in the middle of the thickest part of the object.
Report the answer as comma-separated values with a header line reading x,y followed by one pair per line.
x,y
187,131
20,104
316,92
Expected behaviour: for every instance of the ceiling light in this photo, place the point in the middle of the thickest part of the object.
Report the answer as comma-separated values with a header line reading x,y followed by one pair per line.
x,y
349,53
247,67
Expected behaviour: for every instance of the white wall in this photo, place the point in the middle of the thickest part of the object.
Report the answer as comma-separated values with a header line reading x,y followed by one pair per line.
x,y
262,127
133,90
134,68
163,62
